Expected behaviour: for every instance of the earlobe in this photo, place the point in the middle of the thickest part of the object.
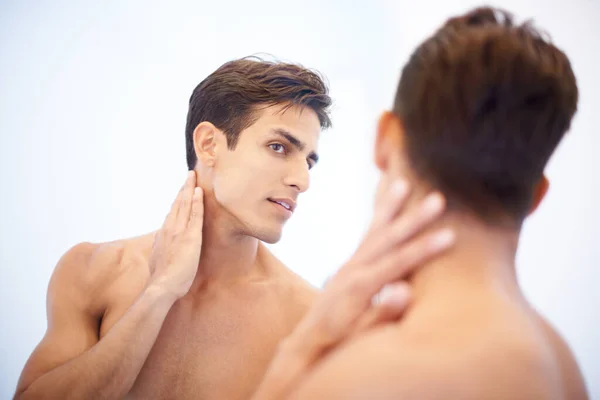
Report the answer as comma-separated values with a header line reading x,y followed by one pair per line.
x,y
205,143
539,192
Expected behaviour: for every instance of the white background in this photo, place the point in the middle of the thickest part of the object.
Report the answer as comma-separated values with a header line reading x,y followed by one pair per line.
x,y
93,99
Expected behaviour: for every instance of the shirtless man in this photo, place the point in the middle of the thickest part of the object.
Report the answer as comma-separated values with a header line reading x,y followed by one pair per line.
x,y
196,309
480,108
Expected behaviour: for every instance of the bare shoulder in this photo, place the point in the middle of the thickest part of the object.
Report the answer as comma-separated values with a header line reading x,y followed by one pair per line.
x,y
70,276
89,269
495,361
574,384
297,288
78,298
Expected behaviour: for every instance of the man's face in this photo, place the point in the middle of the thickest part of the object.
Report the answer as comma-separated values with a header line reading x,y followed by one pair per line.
x,y
258,183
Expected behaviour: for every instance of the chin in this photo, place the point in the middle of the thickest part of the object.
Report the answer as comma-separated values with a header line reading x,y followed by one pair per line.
x,y
265,234
269,237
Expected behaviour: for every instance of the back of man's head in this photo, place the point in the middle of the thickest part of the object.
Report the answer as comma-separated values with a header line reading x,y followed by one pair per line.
x,y
484,104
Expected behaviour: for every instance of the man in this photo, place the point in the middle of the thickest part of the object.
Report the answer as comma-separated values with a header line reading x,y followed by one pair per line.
x,y
480,108
196,309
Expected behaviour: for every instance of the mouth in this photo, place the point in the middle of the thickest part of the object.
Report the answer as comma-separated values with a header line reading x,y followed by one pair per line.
x,y
286,205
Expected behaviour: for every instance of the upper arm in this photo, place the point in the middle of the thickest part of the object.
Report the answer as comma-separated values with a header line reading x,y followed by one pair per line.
x,y
72,322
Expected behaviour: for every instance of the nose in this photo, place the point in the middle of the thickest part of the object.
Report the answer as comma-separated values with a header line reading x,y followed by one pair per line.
x,y
298,177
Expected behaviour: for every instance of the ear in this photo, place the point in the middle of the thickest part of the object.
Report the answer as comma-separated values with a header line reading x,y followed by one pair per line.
x,y
205,140
539,192
388,140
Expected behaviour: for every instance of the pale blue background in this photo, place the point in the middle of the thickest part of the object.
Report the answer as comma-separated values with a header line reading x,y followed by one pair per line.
x,y
93,99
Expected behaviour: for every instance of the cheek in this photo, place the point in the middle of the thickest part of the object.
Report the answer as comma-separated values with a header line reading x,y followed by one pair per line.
x,y
240,180
230,185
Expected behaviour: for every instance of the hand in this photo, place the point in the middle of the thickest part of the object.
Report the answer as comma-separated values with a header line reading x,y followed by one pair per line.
x,y
391,250
176,249
393,247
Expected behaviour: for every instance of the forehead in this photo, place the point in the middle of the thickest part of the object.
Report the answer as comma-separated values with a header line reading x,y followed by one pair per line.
x,y
301,122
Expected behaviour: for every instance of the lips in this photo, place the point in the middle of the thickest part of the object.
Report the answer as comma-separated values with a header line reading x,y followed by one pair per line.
x,y
286,203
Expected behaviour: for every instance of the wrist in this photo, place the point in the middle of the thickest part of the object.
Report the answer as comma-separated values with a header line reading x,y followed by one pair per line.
x,y
160,294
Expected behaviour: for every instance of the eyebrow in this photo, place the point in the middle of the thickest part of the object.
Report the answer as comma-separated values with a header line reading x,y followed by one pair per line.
x,y
296,143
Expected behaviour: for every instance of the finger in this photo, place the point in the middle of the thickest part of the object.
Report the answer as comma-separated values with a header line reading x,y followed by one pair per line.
x,y
393,301
410,224
347,313
353,289
391,203
185,203
388,204
400,263
172,215
404,228
196,219
395,296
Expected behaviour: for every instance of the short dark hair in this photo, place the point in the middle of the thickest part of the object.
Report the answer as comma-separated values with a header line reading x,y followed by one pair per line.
x,y
484,104
230,97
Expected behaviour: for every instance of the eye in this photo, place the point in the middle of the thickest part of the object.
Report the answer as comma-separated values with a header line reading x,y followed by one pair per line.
x,y
278,148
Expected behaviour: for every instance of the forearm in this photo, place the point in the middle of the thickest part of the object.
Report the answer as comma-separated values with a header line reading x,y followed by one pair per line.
x,y
108,369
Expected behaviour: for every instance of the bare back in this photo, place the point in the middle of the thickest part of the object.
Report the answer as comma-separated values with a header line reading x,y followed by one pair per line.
x,y
211,347
475,346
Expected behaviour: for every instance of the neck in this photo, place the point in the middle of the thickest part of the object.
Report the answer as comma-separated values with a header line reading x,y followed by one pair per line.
x,y
228,256
482,260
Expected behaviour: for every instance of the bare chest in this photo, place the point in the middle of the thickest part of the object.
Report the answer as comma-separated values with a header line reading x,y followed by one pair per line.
x,y
215,350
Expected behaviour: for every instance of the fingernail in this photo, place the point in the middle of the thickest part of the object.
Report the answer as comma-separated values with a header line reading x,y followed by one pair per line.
x,y
190,174
399,188
384,293
197,190
443,239
397,294
433,203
